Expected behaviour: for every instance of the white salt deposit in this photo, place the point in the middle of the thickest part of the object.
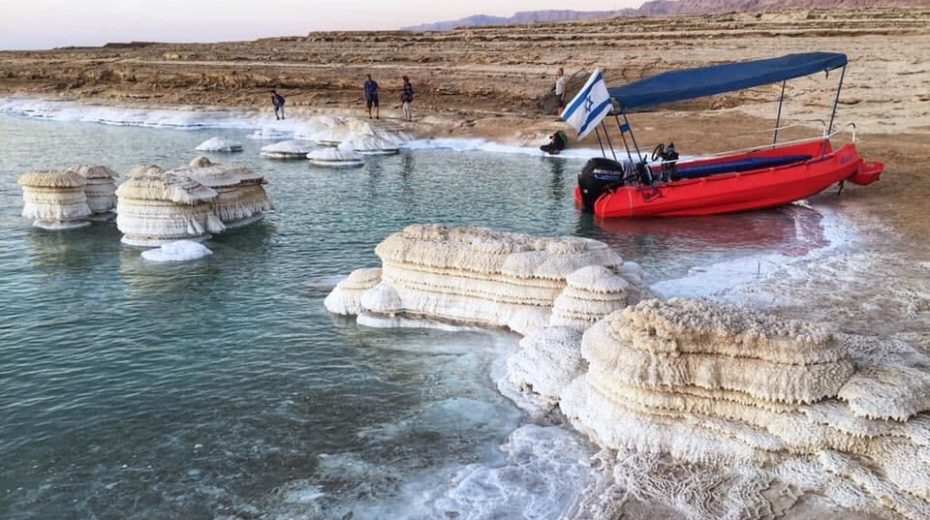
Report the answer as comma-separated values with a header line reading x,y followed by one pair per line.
x,y
241,196
155,207
724,387
55,199
178,251
219,144
368,145
474,275
100,190
286,150
335,158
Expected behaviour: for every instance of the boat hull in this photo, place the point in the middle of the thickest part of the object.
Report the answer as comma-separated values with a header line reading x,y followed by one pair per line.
x,y
741,191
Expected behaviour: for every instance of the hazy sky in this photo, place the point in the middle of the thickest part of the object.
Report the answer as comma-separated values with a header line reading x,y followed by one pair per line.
x,y
42,24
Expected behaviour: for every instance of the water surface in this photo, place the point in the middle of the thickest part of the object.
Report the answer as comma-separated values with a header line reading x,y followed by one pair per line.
x,y
222,388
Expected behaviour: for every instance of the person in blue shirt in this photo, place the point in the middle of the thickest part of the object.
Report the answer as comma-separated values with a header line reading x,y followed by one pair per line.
x,y
278,101
406,99
371,97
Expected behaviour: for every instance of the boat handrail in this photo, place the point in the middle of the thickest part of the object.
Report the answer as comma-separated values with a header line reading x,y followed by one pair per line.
x,y
762,147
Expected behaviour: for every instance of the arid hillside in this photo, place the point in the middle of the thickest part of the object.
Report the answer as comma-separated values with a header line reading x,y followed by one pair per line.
x,y
473,73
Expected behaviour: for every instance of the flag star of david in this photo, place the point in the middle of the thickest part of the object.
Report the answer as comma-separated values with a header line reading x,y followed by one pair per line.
x,y
588,105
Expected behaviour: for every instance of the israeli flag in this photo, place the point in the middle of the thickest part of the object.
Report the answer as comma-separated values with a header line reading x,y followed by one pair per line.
x,y
590,106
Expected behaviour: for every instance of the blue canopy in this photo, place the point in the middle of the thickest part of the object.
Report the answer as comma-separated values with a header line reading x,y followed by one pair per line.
x,y
680,85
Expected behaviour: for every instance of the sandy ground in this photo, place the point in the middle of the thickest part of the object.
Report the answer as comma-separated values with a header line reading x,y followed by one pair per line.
x,y
495,83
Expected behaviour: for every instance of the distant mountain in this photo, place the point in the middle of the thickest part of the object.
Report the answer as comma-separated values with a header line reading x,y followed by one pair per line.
x,y
520,18
660,8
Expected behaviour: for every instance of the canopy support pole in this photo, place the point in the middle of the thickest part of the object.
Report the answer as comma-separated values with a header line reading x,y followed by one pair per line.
x,y
836,101
607,136
639,155
623,137
781,100
599,143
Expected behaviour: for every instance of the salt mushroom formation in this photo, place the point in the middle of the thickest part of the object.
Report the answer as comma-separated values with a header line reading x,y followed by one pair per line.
x,y
55,199
285,150
475,275
156,207
219,144
241,197
335,158
100,190
722,387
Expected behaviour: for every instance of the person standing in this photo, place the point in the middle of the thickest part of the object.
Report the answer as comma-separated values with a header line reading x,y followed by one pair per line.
x,y
561,90
371,97
278,101
406,99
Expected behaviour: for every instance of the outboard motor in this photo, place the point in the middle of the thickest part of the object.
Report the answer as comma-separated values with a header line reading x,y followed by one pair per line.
x,y
598,176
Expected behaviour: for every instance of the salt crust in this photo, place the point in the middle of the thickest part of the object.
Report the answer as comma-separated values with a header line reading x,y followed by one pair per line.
x,y
55,199
718,387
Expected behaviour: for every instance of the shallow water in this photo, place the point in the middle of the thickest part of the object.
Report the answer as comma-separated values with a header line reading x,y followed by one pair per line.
x,y
221,387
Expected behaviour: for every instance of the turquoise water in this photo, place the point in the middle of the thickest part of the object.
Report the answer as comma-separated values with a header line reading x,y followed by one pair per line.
x,y
222,388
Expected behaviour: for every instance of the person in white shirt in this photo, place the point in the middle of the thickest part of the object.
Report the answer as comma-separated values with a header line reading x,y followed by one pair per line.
x,y
561,90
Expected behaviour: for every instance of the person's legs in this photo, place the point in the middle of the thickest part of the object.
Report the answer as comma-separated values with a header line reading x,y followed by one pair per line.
x,y
276,116
377,107
406,111
368,104
282,111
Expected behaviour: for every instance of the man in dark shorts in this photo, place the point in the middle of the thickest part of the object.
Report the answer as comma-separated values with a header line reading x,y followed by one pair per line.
x,y
371,97
278,101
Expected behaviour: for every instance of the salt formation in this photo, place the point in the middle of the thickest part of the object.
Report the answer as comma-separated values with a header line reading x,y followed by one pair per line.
x,y
155,207
55,199
285,150
142,170
100,190
475,275
241,197
346,297
219,144
335,158
724,387
369,145
178,251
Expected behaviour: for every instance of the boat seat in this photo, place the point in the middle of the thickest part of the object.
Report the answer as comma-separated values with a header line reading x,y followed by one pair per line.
x,y
743,165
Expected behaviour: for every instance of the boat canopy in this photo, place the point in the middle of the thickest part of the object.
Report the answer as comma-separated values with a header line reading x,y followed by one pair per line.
x,y
680,85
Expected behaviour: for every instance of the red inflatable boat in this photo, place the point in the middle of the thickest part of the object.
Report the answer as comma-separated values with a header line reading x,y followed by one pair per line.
x,y
764,177
753,180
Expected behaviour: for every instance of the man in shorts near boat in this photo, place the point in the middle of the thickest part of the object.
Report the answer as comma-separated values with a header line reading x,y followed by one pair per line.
x,y
561,90
406,98
371,97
